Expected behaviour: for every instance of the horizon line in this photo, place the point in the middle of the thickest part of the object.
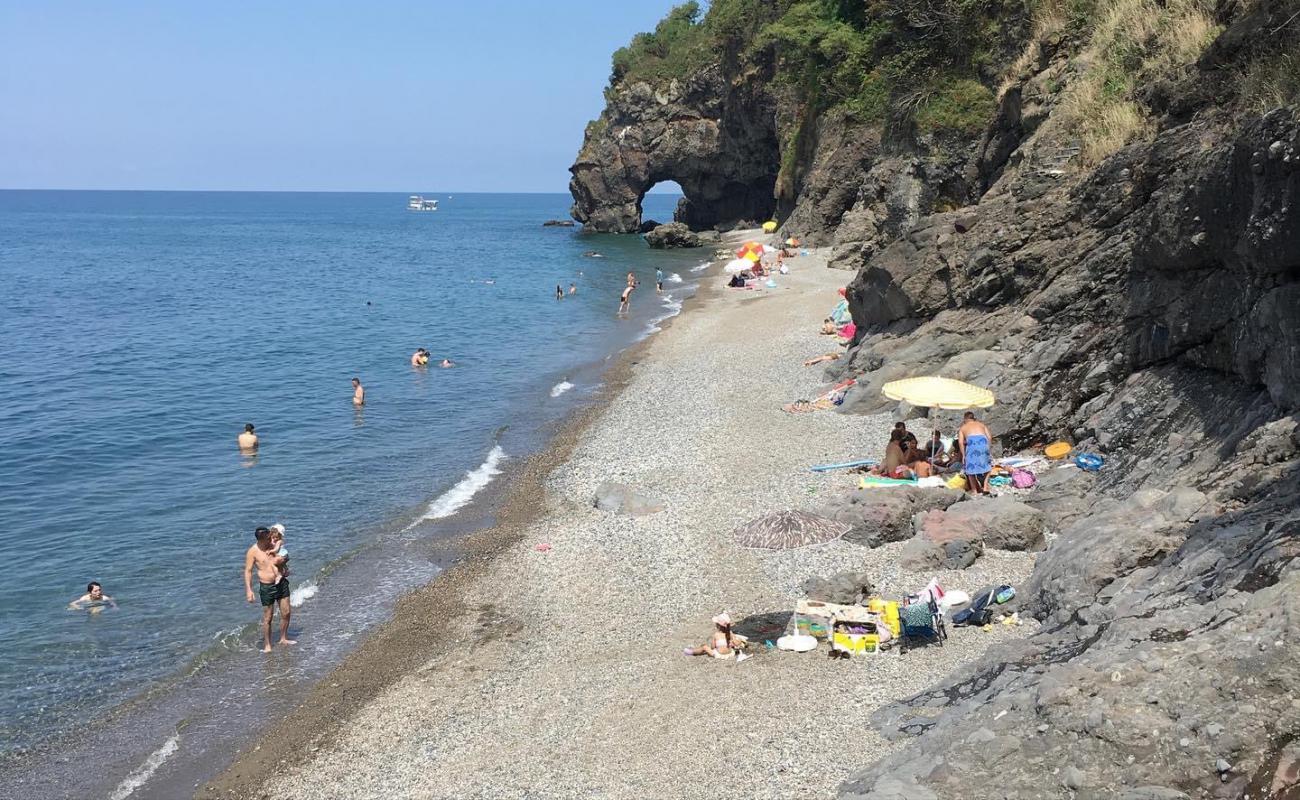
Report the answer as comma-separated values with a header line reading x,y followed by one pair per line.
x,y
286,191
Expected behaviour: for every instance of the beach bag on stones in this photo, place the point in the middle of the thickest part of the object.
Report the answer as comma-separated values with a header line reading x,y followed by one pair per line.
x,y
1022,478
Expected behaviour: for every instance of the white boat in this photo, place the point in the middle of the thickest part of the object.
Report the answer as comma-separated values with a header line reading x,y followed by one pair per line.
x,y
418,203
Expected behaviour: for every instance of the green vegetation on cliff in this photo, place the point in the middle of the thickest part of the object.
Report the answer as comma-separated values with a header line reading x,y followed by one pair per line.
x,y
870,59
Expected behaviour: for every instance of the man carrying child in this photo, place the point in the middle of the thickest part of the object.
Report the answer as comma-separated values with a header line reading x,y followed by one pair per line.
x,y
270,560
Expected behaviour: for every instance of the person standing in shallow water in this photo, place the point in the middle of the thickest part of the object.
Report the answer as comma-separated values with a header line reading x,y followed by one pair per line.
x,y
559,292
248,439
358,393
623,300
272,586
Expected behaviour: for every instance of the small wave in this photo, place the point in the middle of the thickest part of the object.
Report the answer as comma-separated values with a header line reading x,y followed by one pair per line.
x,y
674,278
455,498
701,267
560,388
303,593
146,770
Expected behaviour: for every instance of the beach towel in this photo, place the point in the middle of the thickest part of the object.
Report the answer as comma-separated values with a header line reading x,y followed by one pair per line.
x,y
873,481
977,455
840,314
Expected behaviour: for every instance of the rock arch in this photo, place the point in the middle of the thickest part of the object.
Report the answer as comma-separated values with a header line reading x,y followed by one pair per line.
x,y
716,140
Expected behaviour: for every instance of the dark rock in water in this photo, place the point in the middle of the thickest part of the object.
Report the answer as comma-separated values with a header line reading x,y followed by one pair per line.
x,y
674,234
618,498
648,226
882,516
558,223
844,588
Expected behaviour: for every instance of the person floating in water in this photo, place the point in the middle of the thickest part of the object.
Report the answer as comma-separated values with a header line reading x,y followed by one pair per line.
x,y
248,439
94,599
573,288
420,358
447,363
358,393
559,292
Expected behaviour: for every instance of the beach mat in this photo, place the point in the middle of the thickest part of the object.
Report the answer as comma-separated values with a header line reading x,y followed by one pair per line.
x,y
866,462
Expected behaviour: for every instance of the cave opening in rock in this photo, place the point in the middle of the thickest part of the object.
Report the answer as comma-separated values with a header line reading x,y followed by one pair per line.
x,y
659,204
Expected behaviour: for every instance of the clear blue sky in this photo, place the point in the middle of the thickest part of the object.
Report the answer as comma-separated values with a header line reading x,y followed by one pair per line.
x,y
421,95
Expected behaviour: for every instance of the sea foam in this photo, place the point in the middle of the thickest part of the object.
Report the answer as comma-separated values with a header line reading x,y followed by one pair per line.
x,y
456,498
560,388
146,770
303,593
675,278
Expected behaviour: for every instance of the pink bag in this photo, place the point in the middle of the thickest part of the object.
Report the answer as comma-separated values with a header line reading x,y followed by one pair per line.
x,y
1022,478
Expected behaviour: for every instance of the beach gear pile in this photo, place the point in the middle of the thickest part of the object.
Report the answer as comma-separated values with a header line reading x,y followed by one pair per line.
x,y
828,399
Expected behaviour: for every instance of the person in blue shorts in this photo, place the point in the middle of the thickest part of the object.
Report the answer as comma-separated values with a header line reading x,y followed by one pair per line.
x,y
973,440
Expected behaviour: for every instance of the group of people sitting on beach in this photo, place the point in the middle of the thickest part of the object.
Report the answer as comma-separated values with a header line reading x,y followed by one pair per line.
x,y
906,458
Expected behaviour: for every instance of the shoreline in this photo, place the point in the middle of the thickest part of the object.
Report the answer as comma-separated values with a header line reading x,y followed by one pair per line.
x,y
408,638
570,661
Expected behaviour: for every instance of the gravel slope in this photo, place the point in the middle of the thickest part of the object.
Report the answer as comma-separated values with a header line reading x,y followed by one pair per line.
x,y
568,678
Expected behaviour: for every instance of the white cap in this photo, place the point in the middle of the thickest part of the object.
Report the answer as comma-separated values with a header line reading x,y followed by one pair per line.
x,y
278,528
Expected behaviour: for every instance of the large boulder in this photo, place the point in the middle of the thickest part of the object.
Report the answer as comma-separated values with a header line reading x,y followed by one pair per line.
x,y
1001,523
619,498
940,549
880,516
674,234
844,588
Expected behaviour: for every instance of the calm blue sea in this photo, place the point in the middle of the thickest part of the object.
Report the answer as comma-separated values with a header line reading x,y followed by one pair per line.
x,y
139,331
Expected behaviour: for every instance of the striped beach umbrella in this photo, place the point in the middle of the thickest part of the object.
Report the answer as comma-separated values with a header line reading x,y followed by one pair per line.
x,y
787,530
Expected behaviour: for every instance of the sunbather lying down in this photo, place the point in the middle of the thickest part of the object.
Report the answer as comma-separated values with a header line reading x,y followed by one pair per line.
x,y
807,406
819,359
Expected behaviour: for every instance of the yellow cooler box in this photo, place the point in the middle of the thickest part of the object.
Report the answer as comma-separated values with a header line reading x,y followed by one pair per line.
x,y
857,642
888,611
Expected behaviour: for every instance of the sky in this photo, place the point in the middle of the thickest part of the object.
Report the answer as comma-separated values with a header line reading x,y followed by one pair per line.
x,y
488,96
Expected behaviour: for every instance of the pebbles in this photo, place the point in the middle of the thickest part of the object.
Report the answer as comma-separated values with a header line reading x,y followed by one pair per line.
x,y
583,691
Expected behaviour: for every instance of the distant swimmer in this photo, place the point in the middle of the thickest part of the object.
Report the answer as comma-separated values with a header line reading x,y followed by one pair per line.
x,y
559,292
358,393
592,254
573,288
490,281
94,599
248,439
623,300
272,585
420,358
447,363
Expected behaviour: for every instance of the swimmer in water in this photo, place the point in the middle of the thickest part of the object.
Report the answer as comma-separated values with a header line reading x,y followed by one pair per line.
x,y
420,358
358,393
248,439
447,363
573,288
559,293
94,599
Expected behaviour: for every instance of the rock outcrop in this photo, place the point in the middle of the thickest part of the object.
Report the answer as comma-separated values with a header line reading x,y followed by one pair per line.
x,y
674,234
1146,310
712,134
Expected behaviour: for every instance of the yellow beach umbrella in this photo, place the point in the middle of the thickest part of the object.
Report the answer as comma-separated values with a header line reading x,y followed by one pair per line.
x,y
752,255
935,392
769,226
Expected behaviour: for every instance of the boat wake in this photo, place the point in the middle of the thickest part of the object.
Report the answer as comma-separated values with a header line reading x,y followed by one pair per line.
x,y
458,496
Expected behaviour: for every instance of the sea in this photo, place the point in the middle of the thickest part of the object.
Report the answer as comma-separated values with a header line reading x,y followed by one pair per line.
x,y
140,332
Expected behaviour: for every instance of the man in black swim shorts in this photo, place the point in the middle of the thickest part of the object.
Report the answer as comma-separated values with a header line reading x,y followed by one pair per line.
x,y
272,586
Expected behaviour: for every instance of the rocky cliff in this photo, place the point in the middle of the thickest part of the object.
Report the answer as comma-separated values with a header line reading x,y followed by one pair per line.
x,y
1115,251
